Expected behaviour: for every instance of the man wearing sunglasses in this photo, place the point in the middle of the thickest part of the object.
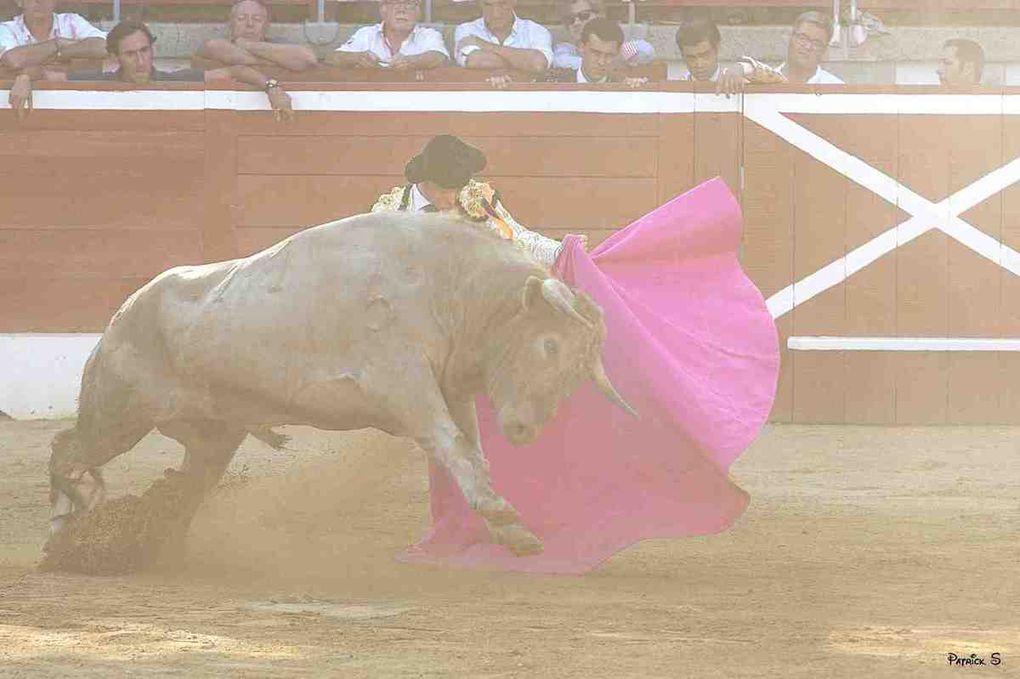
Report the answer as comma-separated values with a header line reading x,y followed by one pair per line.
x,y
812,32
397,42
575,15
502,40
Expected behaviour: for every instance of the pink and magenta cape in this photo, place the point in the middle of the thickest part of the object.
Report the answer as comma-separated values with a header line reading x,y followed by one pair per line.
x,y
692,348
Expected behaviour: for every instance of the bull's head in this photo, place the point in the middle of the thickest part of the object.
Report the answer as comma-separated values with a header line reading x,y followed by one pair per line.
x,y
551,345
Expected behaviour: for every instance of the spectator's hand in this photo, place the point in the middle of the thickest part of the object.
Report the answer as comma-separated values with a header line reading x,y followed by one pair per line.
x,y
21,96
243,43
401,63
367,60
280,101
731,82
499,81
635,83
473,41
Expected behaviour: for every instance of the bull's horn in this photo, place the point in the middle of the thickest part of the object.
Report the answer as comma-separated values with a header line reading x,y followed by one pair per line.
x,y
560,296
598,374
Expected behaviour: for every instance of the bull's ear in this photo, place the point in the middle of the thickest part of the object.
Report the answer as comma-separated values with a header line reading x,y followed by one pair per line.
x,y
532,294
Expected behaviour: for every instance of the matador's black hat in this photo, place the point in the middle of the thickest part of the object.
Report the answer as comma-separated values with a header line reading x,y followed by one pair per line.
x,y
447,161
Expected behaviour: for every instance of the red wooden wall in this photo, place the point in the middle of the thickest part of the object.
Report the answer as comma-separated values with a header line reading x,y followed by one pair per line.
x,y
96,202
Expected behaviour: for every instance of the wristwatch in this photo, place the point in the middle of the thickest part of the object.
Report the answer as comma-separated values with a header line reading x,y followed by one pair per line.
x,y
271,84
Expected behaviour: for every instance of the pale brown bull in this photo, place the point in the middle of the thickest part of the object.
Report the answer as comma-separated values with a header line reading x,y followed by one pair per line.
x,y
387,320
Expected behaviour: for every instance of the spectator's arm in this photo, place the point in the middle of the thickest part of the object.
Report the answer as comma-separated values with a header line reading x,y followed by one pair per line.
x,y
435,53
521,59
278,98
226,52
20,97
565,56
357,59
26,56
292,57
484,58
535,58
430,59
89,48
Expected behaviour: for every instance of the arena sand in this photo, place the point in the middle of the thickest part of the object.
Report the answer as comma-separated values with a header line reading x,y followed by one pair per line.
x,y
865,552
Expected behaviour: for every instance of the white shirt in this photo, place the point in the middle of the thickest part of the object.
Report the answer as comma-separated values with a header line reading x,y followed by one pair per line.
x,y
70,26
821,77
418,201
525,34
715,76
371,39
582,78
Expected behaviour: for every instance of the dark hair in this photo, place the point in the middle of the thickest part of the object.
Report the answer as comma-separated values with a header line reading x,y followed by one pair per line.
x,y
696,31
123,30
446,160
969,52
605,29
820,19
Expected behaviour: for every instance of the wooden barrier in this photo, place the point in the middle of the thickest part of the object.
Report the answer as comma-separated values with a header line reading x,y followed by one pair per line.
x,y
101,191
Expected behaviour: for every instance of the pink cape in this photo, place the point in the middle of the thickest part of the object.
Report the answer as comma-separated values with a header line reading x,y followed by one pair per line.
x,y
691,346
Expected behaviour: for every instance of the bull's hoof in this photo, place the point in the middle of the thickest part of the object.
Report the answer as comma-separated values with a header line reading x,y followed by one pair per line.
x,y
271,438
518,539
498,511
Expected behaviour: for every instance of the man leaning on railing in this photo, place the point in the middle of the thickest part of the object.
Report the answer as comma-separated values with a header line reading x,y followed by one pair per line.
x,y
398,41
575,14
130,42
600,43
500,40
247,44
809,41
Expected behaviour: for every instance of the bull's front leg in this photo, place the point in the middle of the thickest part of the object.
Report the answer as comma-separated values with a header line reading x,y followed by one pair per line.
x,y
455,446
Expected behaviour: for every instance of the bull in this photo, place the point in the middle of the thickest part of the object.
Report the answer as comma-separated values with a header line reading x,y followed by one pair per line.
x,y
385,320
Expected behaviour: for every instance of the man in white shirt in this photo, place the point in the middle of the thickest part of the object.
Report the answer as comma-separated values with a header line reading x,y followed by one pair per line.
x,y
246,43
809,41
39,36
398,41
699,40
502,40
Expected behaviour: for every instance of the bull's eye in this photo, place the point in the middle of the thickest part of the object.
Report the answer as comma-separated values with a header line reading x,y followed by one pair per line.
x,y
552,347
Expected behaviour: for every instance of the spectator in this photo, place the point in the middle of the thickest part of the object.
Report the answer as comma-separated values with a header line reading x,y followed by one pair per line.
x,y
575,14
501,40
398,41
962,63
600,42
809,41
39,36
131,43
699,42
247,44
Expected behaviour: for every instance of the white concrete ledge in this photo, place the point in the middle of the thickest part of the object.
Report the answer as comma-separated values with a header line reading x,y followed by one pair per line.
x,y
40,373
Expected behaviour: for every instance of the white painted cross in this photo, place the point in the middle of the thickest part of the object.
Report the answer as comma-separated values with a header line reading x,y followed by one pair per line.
x,y
767,111
925,215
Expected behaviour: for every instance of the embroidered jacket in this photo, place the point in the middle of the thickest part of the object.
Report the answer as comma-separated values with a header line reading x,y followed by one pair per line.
x,y
480,203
